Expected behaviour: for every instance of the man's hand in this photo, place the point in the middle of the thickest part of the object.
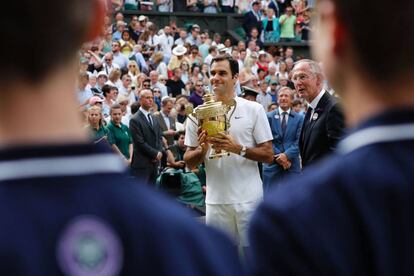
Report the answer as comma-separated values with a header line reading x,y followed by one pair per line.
x,y
283,161
180,164
159,156
202,140
223,141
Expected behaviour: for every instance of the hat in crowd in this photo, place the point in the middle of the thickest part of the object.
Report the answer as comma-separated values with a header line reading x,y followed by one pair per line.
x,y
102,73
179,50
122,98
195,26
273,82
221,47
261,52
95,99
247,91
142,18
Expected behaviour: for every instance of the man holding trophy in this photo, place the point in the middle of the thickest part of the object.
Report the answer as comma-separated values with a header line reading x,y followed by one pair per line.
x,y
234,187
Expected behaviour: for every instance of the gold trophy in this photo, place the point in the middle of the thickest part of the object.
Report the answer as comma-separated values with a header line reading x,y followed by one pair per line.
x,y
212,117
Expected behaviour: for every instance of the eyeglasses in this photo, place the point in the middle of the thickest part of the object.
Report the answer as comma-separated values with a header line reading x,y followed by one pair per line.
x,y
300,77
146,86
108,59
194,53
198,85
202,37
127,80
132,66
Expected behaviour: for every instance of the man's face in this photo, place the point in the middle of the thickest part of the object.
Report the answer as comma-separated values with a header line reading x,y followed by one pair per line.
x,y
115,47
108,60
297,108
113,94
177,73
181,140
146,84
256,7
116,115
199,88
195,32
254,33
235,54
167,108
252,45
263,87
126,81
167,30
306,83
154,77
183,34
146,99
284,99
101,80
221,79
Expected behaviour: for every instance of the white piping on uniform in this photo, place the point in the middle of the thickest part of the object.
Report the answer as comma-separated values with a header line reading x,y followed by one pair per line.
x,y
61,166
375,135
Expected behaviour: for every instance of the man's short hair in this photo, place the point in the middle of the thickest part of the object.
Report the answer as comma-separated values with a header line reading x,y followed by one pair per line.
x,y
61,21
315,68
114,106
107,88
234,64
382,47
166,100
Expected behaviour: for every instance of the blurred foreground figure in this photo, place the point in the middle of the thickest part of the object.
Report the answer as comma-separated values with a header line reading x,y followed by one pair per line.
x,y
352,214
66,206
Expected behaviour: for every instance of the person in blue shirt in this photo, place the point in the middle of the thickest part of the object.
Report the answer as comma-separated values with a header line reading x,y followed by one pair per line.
x,y
351,214
68,206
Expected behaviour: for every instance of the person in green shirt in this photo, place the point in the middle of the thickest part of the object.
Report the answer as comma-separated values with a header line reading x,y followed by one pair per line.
x,y
120,133
287,26
95,124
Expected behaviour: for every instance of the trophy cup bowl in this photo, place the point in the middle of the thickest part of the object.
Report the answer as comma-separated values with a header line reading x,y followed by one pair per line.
x,y
211,116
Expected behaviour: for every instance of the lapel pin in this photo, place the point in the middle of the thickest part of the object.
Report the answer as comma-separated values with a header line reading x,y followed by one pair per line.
x,y
315,116
277,116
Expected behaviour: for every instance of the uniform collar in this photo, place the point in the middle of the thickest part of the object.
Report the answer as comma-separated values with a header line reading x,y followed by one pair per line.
x,y
389,126
58,161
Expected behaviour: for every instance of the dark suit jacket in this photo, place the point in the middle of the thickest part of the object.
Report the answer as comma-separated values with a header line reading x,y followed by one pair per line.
x,y
251,21
147,141
321,134
164,128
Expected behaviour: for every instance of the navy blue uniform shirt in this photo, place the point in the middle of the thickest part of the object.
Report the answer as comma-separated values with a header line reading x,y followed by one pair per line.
x,y
350,215
72,210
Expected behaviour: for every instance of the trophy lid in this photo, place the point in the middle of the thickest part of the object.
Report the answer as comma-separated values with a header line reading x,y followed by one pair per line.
x,y
210,108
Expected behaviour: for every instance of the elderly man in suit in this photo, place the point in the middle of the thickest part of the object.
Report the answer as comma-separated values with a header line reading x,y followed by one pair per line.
x,y
286,126
323,125
147,138
166,122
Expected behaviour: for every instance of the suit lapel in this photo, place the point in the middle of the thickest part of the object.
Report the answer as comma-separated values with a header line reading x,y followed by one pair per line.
x,y
162,122
318,110
276,120
145,119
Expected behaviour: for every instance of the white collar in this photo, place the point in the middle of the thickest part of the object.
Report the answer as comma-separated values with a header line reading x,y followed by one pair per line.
x,y
281,111
144,111
315,101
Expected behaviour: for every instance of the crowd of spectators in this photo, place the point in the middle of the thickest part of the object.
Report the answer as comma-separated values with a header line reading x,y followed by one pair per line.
x,y
173,62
